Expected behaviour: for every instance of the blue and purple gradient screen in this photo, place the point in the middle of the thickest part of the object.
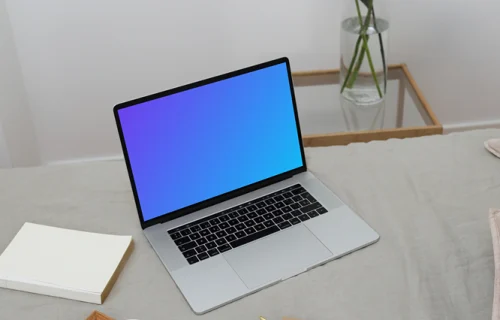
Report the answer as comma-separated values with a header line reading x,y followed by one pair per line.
x,y
197,144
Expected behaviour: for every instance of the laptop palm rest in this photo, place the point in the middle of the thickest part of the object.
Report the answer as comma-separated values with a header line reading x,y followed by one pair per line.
x,y
277,257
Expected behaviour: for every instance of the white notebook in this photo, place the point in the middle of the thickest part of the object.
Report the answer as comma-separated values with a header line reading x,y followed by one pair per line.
x,y
63,263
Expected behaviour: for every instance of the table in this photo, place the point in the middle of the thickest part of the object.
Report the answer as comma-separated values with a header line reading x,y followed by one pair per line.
x,y
323,121
434,259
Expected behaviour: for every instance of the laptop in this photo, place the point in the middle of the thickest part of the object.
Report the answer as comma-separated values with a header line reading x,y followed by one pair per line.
x,y
222,189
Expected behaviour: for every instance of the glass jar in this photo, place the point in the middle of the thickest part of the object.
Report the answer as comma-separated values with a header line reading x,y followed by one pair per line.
x,y
364,46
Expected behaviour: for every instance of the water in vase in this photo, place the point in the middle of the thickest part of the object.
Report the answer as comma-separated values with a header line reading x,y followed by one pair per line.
x,y
366,82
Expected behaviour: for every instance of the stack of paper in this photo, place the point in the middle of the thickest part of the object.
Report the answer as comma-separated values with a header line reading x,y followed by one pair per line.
x,y
63,263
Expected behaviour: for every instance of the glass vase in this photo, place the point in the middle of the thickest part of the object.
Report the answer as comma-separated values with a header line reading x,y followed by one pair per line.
x,y
363,63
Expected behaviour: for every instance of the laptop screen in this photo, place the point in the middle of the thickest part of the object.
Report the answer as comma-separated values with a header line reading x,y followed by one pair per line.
x,y
200,143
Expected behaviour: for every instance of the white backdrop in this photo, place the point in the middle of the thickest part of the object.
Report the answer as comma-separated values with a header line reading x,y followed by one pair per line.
x,y
17,133
81,57
4,152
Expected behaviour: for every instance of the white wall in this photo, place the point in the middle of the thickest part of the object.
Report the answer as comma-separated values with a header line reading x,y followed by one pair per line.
x,y
18,145
81,57
4,152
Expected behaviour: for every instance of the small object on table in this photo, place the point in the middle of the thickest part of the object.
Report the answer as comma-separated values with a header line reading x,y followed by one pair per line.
x,y
96,315
493,146
63,263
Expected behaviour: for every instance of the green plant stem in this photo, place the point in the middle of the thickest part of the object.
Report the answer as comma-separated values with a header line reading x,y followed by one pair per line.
x,y
352,75
372,68
353,60
382,50
362,35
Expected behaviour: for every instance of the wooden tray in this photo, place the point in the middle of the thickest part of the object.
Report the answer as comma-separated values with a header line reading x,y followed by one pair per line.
x,y
398,72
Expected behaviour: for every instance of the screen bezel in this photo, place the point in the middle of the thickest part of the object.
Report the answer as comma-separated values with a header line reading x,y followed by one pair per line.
x,y
228,195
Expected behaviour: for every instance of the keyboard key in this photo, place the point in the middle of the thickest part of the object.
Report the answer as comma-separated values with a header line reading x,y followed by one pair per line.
x,y
172,231
204,232
230,230
183,240
304,217
221,234
296,213
268,216
279,205
242,218
284,225
230,238
189,253
223,218
186,232
195,228
250,230
205,225
240,234
224,225
298,191
252,207
214,221
188,246
259,227
313,214
252,215
201,249
259,219
297,198
286,209
213,252
203,256
234,214
279,198
287,195
270,208
310,207
249,223
261,211
210,245
220,241
278,220
243,211
240,226
201,241
304,202
261,204
211,237
214,229
175,236
192,260
287,216
233,222
195,236
295,221
224,248
321,210
295,206
254,236
308,197
270,201
288,202
269,223
277,213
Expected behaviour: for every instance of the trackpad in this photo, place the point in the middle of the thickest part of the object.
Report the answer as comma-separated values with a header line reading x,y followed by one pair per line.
x,y
280,256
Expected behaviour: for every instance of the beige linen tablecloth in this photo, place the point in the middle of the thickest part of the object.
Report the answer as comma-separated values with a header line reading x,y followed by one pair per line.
x,y
428,198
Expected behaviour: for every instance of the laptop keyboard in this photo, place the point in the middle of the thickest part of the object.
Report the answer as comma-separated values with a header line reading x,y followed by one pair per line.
x,y
245,223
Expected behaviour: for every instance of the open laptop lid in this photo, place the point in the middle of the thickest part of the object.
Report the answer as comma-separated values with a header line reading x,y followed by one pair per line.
x,y
200,144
